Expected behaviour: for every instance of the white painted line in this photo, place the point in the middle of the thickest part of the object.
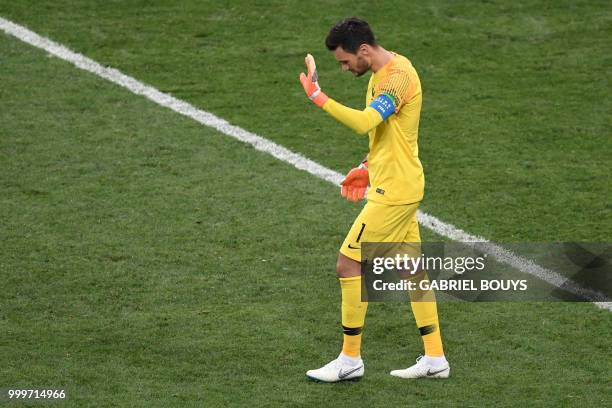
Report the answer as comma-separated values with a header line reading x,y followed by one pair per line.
x,y
295,159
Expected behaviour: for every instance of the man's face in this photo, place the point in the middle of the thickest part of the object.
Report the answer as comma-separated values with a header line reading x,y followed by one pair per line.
x,y
358,63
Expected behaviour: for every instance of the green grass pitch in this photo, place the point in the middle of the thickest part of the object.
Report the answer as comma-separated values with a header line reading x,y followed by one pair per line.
x,y
149,261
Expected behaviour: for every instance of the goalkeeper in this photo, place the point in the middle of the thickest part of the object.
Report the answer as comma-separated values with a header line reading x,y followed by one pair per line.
x,y
394,174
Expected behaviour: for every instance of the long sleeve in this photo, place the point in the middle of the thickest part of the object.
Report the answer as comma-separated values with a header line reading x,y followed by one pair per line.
x,y
361,121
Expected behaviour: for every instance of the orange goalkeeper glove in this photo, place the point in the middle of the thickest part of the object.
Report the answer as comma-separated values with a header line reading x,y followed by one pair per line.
x,y
355,184
310,82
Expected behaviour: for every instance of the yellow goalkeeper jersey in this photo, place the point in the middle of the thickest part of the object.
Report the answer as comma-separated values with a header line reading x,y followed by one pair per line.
x,y
396,173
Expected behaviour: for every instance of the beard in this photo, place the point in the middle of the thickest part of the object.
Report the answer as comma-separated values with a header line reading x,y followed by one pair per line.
x,y
362,67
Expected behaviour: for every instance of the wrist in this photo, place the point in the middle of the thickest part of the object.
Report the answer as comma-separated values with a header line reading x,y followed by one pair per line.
x,y
319,98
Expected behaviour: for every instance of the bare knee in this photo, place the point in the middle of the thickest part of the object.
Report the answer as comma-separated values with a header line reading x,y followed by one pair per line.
x,y
347,267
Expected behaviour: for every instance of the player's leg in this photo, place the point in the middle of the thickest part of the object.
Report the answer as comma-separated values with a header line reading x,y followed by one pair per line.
x,y
425,311
353,309
349,364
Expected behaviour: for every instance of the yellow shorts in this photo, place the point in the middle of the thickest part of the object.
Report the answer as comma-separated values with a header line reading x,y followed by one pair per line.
x,y
381,223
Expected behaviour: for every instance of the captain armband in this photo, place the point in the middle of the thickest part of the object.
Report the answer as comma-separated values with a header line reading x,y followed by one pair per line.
x,y
384,105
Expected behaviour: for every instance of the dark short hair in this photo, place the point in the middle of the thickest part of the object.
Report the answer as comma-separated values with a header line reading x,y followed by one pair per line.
x,y
349,34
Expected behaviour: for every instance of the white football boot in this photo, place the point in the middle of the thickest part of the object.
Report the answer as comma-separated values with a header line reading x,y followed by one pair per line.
x,y
425,368
337,370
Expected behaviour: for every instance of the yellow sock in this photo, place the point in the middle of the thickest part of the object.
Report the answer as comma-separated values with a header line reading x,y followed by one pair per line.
x,y
426,316
425,311
353,315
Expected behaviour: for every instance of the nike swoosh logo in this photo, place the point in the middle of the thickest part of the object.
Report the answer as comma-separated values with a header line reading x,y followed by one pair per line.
x,y
352,247
347,373
430,373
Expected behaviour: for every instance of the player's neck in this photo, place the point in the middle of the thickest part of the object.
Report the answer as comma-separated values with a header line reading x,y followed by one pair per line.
x,y
380,58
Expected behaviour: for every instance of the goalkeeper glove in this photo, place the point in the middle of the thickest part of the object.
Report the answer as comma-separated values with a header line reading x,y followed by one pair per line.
x,y
355,184
310,82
